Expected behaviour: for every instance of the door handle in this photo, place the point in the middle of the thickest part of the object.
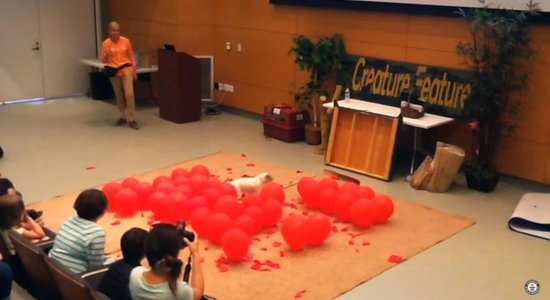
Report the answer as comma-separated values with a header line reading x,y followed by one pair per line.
x,y
36,47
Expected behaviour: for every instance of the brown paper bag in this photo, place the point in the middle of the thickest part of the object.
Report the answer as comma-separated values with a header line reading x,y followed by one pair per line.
x,y
422,174
437,175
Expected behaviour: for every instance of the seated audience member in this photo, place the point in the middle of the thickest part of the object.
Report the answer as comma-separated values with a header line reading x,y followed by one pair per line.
x,y
6,278
6,184
80,242
114,283
164,279
14,217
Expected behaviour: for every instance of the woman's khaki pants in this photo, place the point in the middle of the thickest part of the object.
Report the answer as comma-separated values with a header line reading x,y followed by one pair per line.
x,y
124,93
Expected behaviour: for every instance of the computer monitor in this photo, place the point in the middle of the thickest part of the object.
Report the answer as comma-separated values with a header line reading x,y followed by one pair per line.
x,y
207,77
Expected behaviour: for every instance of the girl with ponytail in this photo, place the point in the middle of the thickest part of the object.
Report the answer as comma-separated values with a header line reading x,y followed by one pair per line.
x,y
163,281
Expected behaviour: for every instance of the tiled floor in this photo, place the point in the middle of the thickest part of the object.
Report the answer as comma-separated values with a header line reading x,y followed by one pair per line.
x,y
50,144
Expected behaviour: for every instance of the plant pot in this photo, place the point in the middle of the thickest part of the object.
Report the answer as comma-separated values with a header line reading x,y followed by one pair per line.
x,y
482,184
313,134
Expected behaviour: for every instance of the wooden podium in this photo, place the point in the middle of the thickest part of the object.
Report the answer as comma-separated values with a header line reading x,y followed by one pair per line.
x,y
179,87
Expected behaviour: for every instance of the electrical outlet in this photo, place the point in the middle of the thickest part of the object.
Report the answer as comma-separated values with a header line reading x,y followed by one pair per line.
x,y
228,88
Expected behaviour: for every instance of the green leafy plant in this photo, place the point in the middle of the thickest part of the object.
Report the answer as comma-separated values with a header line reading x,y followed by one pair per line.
x,y
496,55
322,59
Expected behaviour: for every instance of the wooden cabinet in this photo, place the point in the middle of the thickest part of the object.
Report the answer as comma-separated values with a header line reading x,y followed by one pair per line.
x,y
362,142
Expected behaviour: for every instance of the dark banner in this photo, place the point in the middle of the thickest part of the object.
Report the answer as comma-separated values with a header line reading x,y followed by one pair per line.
x,y
442,91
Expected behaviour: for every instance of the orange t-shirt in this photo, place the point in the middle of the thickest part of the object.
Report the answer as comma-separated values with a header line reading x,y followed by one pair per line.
x,y
117,53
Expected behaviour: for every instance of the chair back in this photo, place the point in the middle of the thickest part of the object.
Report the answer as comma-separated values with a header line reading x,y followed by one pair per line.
x,y
34,262
4,249
71,285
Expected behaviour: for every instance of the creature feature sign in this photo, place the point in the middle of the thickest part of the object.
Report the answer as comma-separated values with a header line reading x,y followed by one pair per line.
x,y
442,90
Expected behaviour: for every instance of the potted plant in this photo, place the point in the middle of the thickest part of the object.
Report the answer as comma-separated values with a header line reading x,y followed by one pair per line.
x,y
496,55
322,59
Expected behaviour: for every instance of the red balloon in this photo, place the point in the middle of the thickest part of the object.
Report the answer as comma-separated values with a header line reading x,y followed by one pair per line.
x,y
185,189
130,183
327,200
293,232
144,191
384,208
363,212
179,172
214,183
166,187
200,169
253,199
160,205
199,220
273,211
364,192
235,244
303,183
342,207
127,202
211,195
198,183
181,180
317,228
273,190
110,190
257,214
312,191
228,189
349,188
229,205
329,182
246,224
217,225
196,202
180,206
160,179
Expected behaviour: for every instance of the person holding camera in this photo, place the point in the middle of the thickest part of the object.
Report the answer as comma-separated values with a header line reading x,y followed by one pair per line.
x,y
164,278
117,52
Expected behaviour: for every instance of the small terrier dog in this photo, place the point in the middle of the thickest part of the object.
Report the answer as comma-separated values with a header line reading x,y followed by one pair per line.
x,y
250,185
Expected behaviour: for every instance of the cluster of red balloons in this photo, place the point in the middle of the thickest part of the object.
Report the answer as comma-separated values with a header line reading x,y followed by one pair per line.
x,y
212,207
349,202
297,231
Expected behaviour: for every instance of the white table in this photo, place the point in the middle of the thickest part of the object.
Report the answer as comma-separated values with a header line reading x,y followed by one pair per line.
x,y
425,122
97,64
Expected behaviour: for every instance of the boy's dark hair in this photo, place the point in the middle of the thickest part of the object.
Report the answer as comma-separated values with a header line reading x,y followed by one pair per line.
x,y
132,244
90,204
12,209
5,184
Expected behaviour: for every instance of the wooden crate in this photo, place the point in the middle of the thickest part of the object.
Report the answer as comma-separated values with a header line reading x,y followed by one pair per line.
x,y
362,142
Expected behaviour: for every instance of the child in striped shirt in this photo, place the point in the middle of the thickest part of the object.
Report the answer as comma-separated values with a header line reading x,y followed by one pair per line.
x,y
80,242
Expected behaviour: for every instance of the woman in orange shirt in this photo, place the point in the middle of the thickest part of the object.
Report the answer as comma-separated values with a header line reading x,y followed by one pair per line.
x,y
116,51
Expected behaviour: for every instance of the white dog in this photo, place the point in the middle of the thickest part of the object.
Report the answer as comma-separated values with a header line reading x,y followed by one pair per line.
x,y
250,185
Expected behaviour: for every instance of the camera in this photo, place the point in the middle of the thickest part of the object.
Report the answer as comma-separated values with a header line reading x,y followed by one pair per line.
x,y
185,233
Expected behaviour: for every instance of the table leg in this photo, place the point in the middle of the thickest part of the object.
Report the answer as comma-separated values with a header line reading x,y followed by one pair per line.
x,y
414,150
408,178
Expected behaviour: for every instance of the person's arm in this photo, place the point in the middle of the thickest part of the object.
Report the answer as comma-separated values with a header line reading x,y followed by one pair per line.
x,y
31,229
197,279
132,58
104,55
96,249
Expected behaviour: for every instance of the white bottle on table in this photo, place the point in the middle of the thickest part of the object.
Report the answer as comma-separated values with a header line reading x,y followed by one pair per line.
x,y
347,95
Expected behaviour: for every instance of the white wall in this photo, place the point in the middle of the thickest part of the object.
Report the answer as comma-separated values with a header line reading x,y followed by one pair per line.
x,y
67,31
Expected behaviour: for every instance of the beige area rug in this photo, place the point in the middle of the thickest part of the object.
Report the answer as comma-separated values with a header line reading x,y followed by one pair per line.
x,y
348,257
